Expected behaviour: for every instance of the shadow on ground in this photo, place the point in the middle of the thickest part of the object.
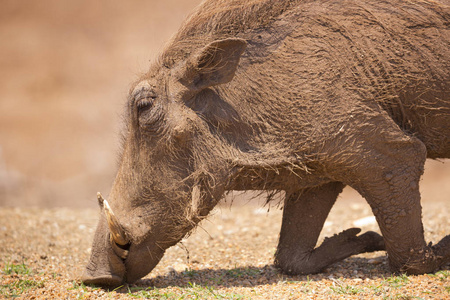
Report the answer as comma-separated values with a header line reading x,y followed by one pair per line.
x,y
356,268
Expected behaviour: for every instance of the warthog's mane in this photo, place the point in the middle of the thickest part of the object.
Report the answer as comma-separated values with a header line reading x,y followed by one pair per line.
x,y
220,19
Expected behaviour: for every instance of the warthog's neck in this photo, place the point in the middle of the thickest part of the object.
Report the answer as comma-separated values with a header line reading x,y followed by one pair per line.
x,y
261,172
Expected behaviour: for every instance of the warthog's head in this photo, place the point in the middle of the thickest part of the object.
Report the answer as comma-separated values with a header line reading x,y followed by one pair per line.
x,y
173,168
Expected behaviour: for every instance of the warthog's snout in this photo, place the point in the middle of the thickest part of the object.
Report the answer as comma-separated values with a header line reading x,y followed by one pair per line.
x,y
105,268
108,269
114,258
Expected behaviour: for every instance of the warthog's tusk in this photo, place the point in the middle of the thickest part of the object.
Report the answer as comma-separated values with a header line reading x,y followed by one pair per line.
x,y
117,233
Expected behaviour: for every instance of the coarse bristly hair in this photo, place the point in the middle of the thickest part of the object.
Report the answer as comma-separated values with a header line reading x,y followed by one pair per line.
x,y
373,73
221,19
378,73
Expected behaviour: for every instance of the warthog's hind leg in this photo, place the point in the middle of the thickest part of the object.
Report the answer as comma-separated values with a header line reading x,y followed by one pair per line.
x,y
384,165
303,218
442,251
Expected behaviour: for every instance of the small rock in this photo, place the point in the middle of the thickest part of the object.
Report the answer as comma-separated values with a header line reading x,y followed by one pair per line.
x,y
260,211
365,221
171,271
262,280
355,206
328,224
246,283
376,260
178,267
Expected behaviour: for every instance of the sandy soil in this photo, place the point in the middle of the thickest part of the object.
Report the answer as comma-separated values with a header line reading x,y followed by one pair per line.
x,y
229,257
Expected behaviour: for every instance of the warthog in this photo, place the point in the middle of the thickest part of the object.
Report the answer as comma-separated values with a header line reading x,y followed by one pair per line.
x,y
303,97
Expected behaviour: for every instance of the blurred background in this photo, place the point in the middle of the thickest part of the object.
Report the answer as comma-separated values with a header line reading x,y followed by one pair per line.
x,y
65,70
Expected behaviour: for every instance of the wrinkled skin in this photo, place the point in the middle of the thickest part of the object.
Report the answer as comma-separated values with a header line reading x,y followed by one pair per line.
x,y
298,96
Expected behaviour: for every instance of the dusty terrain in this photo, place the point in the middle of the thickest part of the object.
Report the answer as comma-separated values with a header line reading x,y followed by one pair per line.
x,y
229,257
65,70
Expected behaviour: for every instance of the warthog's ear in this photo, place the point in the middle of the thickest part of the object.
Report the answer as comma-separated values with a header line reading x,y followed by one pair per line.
x,y
215,64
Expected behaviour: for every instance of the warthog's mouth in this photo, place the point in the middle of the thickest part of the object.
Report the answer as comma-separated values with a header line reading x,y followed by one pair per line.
x,y
121,251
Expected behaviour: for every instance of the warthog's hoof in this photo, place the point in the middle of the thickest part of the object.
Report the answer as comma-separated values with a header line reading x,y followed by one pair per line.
x,y
103,281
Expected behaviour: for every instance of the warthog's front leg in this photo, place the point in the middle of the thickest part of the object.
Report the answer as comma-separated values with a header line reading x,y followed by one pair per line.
x,y
303,218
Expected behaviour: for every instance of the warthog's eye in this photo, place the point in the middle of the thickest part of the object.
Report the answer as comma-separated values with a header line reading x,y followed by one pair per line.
x,y
144,99
147,111
145,104
146,107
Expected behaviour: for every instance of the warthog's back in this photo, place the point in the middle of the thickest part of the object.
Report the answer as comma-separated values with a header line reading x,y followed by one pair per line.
x,y
394,53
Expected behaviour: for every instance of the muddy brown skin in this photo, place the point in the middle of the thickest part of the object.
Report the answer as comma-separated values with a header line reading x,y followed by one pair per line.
x,y
303,97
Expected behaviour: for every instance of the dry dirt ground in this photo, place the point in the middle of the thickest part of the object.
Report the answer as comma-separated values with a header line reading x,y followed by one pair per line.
x,y
230,256
65,69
